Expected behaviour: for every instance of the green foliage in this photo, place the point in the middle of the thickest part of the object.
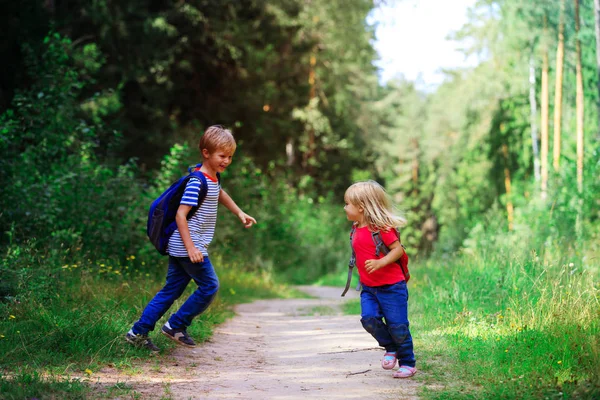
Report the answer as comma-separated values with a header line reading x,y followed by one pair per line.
x,y
57,199
290,238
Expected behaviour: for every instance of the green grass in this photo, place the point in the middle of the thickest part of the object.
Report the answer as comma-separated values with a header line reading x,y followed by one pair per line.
x,y
498,327
50,346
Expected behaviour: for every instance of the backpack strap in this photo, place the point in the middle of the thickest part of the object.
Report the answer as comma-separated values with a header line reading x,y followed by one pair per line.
x,y
351,263
196,173
381,248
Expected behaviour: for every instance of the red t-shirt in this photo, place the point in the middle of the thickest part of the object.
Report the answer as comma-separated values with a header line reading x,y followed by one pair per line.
x,y
364,248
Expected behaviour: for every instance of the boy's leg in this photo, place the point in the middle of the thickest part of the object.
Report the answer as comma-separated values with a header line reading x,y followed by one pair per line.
x,y
371,319
177,281
394,305
208,284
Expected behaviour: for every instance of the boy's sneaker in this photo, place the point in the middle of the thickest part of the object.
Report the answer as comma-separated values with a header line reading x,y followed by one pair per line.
x,y
178,335
142,341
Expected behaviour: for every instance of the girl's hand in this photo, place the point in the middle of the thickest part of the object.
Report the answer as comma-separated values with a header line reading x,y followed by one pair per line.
x,y
373,265
247,220
195,255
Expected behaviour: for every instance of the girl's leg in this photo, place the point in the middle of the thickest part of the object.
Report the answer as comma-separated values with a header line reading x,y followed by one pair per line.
x,y
394,305
372,319
177,281
208,284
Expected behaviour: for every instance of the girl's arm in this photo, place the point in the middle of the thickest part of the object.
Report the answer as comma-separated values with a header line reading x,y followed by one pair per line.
x,y
194,253
396,251
228,202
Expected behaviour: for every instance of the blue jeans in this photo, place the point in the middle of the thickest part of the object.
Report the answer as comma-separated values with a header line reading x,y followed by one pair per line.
x,y
181,271
389,302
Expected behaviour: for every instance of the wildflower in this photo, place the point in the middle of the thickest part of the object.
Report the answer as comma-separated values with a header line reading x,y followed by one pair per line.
x,y
231,291
11,317
65,266
1,336
506,351
559,362
88,371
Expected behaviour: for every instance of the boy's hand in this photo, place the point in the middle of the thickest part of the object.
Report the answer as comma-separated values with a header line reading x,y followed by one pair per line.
x,y
195,255
373,265
247,220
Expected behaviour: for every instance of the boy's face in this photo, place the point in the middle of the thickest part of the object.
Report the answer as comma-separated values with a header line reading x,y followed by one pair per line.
x,y
217,160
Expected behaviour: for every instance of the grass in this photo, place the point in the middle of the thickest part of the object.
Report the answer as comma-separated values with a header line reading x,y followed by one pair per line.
x,y
51,347
487,326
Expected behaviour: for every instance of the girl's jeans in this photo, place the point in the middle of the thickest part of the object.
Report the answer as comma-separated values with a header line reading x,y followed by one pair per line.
x,y
389,302
181,271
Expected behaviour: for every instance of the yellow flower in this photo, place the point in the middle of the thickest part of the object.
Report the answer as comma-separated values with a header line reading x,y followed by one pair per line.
x,y
1,336
88,371
559,362
132,257
506,351
231,291
11,317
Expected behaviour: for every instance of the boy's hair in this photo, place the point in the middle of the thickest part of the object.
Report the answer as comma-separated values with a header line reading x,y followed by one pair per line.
x,y
380,214
217,138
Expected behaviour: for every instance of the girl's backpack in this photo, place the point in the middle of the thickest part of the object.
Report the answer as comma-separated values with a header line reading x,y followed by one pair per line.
x,y
380,248
161,218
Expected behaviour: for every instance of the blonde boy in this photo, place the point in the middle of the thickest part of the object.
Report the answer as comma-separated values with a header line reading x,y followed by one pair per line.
x,y
188,247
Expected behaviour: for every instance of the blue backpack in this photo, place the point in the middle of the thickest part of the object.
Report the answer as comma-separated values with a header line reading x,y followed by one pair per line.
x,y
161,218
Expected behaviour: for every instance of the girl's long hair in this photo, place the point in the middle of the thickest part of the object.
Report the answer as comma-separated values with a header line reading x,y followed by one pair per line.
x,y
379,211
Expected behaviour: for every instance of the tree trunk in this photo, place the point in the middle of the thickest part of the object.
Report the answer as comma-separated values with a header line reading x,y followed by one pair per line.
x,y
544,127
415,166
560,53
310,151
597,15
509,204
534,132
579,102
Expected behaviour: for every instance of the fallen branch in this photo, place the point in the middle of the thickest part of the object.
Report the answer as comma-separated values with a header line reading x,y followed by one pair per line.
x,y
352,351
357,373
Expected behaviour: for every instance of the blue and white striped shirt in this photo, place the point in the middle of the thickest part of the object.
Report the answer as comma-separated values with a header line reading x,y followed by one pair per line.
x,y
203,222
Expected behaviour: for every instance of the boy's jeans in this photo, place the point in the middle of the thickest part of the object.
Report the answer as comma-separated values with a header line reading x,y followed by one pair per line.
x,y
389,302
181,271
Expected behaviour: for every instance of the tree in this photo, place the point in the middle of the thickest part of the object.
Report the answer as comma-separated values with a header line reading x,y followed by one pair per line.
x,y
579,101
560,51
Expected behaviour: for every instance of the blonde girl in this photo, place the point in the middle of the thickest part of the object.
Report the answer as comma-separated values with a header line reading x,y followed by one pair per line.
x,y
384,293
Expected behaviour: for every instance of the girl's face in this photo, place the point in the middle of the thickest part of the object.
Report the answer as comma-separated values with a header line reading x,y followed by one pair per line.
x,y
353,213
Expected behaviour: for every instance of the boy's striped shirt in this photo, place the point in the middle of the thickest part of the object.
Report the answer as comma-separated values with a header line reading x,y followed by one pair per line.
x,y
203,222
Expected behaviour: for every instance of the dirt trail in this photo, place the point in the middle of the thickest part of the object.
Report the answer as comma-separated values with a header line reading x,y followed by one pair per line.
x,y
276,349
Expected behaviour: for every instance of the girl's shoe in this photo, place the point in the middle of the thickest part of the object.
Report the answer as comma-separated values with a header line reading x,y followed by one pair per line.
x,y
405,372
388,361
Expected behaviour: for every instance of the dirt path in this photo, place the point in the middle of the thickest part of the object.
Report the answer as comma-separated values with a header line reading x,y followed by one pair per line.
x,y
276,349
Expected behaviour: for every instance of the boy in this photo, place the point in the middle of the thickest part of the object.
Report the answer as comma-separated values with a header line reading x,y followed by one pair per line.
x,y
187,248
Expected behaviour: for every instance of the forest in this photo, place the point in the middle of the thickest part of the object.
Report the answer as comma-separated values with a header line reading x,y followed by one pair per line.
x,y
497,171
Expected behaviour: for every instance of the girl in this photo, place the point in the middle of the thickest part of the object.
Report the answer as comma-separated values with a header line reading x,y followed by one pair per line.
x,y
384,293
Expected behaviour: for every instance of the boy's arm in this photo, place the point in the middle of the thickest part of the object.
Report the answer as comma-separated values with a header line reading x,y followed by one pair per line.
x,y
228,202
396,251
194,253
